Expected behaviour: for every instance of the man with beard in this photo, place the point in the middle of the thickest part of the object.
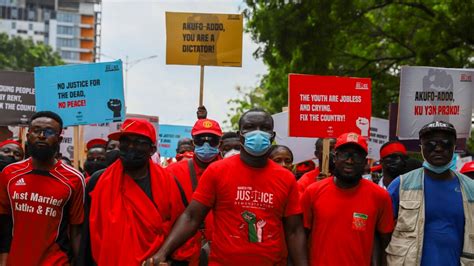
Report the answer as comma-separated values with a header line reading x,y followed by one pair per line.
x,y
132,205
255,203
314,175
10,152
342,213
434,206
44,197
95,159
206,135
393,157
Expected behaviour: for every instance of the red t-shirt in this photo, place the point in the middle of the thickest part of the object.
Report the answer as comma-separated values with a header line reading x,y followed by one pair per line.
x,y
343,221
307,179
42,204
180,170
248,205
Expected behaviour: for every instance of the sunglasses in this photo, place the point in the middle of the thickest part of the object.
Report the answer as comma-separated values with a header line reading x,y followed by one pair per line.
x,y
430,145
356,157
137,143
47,132
200,140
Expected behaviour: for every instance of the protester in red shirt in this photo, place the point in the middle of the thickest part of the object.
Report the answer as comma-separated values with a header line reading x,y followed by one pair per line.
x,y
206,135
255,203
45,198
184,149
132,205
343,212
312,176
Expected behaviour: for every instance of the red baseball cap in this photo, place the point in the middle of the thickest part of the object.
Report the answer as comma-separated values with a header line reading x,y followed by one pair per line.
x,y
10,141
391,148
467,168
206,126
351,138
135,126
96,142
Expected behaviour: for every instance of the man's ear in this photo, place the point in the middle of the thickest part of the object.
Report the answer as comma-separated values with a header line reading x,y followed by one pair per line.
x,y
60,139
273,136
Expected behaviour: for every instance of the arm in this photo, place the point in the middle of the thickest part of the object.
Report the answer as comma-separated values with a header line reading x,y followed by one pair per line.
x,y
185,227
384,240
75,232
296,239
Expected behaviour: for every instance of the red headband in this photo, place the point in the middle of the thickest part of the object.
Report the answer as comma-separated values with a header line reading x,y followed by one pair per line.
x,y
393,148
10,141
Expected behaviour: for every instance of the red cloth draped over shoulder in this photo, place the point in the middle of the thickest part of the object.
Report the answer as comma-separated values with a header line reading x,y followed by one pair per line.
x,y
126,227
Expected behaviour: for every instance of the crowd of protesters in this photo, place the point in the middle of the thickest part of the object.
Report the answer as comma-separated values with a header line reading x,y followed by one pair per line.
x,y
233,198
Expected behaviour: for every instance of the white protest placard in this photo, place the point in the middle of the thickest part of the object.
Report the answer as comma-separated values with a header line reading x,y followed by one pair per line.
x,y
430,94
379,133
302,148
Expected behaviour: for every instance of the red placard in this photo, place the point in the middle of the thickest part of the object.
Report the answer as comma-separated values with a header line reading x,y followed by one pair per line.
x,y
328,106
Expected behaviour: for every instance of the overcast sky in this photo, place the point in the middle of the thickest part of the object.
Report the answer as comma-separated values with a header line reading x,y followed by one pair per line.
x,y
136,28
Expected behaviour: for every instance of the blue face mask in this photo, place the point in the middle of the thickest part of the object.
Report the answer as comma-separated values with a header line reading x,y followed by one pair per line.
x,y
257,142
206,152
440,169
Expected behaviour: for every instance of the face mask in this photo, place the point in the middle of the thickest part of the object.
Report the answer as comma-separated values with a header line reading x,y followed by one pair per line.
x,y
94,166
133,159
206,152
257,142
111,156
231,153
42,153
440,169
6,160
367,176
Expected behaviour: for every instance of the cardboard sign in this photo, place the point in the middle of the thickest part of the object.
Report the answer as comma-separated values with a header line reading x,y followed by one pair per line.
x,y
204,39
169,137
302,148
430,94
82,94
327,106
379,134
17,98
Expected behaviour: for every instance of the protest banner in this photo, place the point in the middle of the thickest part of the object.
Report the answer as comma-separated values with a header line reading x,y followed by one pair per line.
x,y
379,134
169,137
434,94
204,39
328,106
302,148
82,94
17,98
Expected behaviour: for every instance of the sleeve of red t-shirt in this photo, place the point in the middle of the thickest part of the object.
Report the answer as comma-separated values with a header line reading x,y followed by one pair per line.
x,y
293,206
4,200
206,190
76,207
307,209
385,222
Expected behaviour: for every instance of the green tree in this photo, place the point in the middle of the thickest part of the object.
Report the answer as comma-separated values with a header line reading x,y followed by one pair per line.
x,y
23,54
360,38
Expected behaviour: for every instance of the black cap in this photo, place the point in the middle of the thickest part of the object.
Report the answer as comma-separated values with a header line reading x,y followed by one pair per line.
x,y
437,126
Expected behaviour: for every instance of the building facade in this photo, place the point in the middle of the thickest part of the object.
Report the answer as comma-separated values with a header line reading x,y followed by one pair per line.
x,y
70,27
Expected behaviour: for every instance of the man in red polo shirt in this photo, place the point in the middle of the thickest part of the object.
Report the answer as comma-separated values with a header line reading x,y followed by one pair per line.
x,y
255,204
314,175
206,135
344,212
45,198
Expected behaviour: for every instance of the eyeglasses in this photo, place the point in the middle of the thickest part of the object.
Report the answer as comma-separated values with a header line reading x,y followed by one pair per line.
x,y
430,145
47,132
356,157
200,140
137,143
